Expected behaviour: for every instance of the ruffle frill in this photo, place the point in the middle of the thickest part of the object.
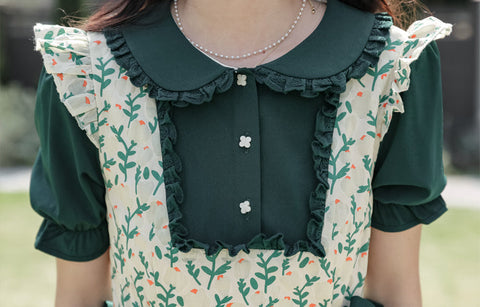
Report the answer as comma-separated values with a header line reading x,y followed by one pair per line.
x,y
123,56
66,56
413,41
331,87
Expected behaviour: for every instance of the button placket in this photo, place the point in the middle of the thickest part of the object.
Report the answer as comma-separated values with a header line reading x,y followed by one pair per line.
x,y
247,135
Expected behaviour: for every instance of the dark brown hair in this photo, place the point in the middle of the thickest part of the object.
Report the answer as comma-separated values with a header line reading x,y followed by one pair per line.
x,y
117,12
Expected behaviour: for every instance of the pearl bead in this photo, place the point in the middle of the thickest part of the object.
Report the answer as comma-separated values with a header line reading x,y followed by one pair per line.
x,y
245,55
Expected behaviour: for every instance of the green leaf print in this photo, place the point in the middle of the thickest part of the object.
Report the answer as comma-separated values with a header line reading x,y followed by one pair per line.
x,y
94,129
338,120
222,301
129,151
360,82
168,295
133,107
49,35
410,45
285,265
301,299
106,108
304,262
180,301
264,264
47,46
138,174
253,283
334,232
243,289
368,165
350,241
144,262
151,235
213,271
351,292
403,75
108,163
363,249
101,141
158,252
373,119
193,272
336,284
337,174
340,247
105,72
391,46
325,265
139,289
349,106
146,173
76,58
153,126
172,251
324,304
121,71
131,233
372,122
119,248
124,298
364,188
271,302
379,73
386,118
159,178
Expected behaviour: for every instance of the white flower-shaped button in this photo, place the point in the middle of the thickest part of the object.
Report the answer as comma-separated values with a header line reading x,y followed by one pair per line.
x,y
241,80
245,141
245,207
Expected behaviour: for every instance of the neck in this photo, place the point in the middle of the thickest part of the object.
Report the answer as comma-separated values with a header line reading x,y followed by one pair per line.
x,y
235,27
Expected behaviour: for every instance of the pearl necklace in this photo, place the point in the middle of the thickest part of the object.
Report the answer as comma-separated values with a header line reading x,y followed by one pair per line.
x,y
245,55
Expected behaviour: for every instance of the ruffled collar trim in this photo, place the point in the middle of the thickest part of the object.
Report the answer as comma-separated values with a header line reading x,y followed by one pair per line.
x,y
157,55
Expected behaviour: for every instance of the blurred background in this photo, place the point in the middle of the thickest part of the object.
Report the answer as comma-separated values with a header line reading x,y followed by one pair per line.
x,y
450,255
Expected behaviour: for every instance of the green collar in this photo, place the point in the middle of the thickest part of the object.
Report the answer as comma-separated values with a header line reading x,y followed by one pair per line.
x,y
174,64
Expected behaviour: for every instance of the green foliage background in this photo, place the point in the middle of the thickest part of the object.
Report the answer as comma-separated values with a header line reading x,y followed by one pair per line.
x,y
18,140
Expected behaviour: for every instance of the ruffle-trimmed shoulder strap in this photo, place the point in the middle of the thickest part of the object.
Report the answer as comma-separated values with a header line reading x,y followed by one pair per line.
x,y
418,36
65,53
402,49
391,76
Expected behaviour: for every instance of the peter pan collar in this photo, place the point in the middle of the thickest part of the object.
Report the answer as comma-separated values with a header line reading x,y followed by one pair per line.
x,y
156,53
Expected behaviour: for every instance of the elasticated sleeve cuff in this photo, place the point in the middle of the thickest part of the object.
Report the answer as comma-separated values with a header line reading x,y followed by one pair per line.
x,y
395,218
71,245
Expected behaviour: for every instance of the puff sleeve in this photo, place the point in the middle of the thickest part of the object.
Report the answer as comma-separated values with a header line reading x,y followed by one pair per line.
x,y
409,175
66,187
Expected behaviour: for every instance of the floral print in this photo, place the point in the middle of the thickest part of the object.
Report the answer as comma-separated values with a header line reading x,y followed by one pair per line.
x,y
146,268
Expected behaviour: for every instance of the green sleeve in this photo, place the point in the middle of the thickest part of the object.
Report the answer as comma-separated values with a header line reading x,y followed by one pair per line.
x,y
409,174
66,187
